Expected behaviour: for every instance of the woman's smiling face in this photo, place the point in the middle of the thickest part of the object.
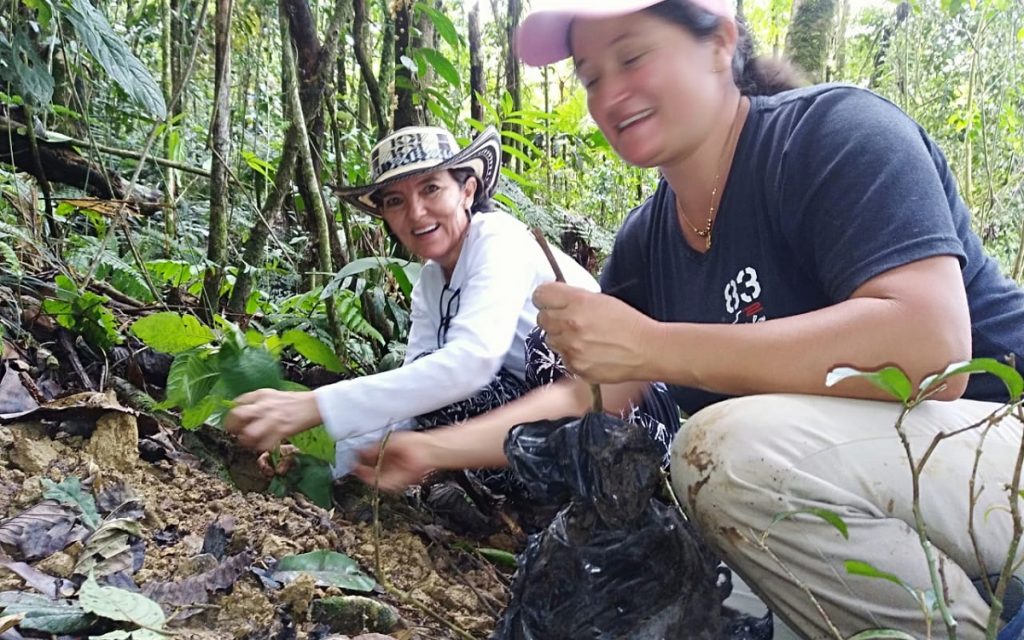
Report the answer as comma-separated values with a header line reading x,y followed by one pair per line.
x,y
429,214
651,86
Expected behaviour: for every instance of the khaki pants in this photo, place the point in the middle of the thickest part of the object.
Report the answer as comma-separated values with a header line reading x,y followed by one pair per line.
x,y
738,463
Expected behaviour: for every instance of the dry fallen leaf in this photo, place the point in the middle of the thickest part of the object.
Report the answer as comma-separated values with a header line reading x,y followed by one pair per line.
x,y
9,622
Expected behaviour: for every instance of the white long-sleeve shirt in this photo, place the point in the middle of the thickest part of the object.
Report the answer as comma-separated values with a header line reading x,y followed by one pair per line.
x,y
497,271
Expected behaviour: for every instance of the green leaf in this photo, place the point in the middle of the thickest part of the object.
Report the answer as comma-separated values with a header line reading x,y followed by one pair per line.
x,y
259,165
195,416
441,22
512,151
313,478
329,568
350,314
116,57
1020,34
118,604
830,517
880,634
83,313
44,614
359,266
190,379
25,69
313,349
176,273
892,380
315,442
442,65
499,557
44,11
172,333
859,568
119,273
515,177
248,369
951,7
10,259
278,487
440,113
1010,376
523,140
403,280
70,492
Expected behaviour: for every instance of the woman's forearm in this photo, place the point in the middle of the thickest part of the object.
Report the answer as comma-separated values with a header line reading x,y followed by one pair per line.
x,y
920,333
479,442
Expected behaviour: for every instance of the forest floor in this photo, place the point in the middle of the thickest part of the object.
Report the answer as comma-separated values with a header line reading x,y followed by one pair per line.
x,y
90,484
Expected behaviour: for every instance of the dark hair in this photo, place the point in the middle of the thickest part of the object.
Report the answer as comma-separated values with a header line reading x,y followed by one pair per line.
x,y
754,75
481,202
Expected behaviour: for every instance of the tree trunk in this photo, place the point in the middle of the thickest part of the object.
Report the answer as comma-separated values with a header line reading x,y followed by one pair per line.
x,y
884,42
62,164
476,65
809,33
306,52
169,82
427,37
217,245
837,59
386,73
1018,261
405,112
255,250
513,82
305,157
359,36
315,63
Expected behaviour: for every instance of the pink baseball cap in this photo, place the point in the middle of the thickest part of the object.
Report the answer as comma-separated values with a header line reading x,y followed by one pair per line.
x,y
543,37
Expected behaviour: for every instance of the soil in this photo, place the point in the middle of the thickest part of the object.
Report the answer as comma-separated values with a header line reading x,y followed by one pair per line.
x,y
435,581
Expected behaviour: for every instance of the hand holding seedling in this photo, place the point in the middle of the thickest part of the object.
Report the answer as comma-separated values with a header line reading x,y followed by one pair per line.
x,y
264,418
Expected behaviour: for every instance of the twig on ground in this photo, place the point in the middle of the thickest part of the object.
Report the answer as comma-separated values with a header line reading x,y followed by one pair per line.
x,y
376,509
76,364
407,598
404,597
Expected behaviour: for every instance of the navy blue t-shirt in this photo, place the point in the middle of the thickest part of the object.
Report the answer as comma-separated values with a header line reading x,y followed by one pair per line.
x,y
830,186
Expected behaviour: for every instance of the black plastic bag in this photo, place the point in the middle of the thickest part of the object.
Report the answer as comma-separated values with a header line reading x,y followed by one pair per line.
x,y
615,562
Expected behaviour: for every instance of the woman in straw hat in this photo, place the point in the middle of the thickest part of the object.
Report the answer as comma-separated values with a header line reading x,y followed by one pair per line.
x,y
473,344
789,234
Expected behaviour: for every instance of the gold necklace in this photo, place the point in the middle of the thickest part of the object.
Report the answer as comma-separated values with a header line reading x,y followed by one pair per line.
x,y
706,231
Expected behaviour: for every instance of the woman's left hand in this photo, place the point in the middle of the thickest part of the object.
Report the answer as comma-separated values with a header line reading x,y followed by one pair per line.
x,y
600,338
262,419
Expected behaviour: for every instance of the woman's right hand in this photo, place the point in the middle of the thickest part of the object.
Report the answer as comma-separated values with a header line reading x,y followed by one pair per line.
x,y
406,460
264,418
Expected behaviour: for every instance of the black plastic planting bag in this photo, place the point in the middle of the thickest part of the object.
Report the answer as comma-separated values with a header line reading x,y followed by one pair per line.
x,y
615,562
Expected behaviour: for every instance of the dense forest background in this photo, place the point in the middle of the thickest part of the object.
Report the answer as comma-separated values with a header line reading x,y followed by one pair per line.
x,y
173,154
168,233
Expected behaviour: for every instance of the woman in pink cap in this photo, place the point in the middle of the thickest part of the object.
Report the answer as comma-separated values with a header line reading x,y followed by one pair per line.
x,y
790,234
